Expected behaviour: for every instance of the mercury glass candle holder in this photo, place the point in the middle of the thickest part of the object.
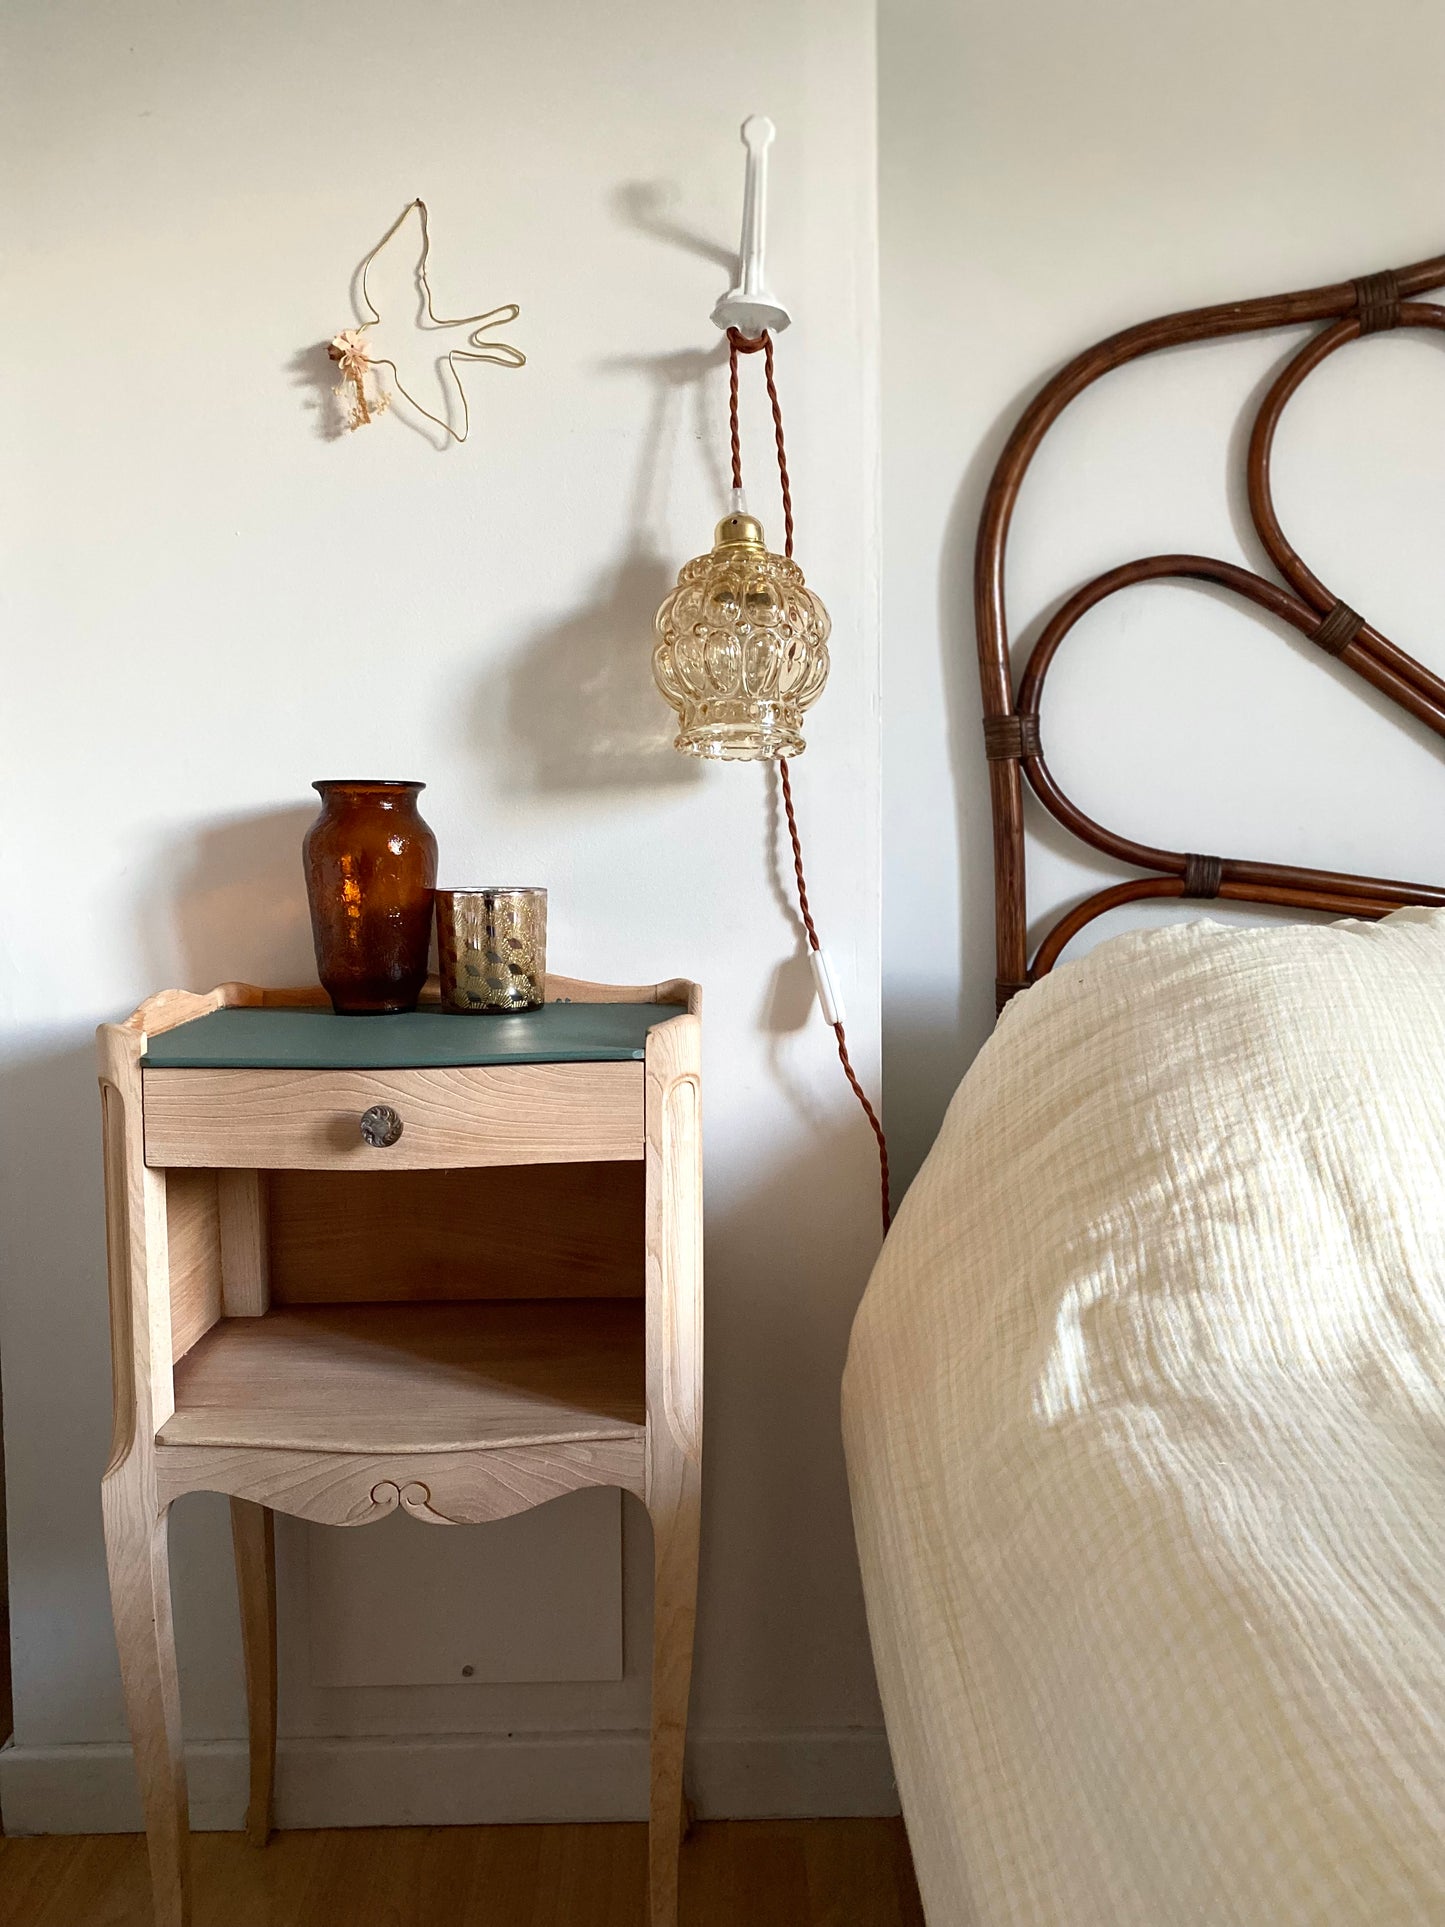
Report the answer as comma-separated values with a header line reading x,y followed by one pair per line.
x,y
492,949
742,648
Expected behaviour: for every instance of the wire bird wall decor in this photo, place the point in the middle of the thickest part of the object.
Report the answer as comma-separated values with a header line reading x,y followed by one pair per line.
x,y
359,391
1012,742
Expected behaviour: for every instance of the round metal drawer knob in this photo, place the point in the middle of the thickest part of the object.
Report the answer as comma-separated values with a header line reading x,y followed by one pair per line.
x,y
380,1125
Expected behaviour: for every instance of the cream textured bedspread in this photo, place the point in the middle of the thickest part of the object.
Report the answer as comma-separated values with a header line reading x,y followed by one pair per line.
x,y
1145,1419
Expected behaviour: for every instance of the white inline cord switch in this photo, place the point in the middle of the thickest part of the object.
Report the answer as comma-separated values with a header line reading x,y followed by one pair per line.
x,y
749,307
830,998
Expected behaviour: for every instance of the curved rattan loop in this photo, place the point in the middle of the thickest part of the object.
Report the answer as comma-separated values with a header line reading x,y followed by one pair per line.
x,y
1371,303
1412,314
1145,856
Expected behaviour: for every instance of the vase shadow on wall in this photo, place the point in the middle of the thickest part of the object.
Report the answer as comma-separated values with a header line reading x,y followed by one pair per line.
x,y
575,708
227,903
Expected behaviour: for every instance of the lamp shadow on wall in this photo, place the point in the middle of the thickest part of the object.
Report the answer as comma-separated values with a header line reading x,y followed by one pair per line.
x,y
575,709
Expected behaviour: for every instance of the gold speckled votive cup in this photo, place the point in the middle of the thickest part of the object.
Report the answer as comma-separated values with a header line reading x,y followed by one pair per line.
x,y
492,949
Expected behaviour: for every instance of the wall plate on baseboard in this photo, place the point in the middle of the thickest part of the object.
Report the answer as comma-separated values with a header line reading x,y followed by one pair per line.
x,y
534,1597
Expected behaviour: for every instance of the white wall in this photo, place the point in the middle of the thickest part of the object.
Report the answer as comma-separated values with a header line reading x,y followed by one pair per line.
x,y
209,603
1050,173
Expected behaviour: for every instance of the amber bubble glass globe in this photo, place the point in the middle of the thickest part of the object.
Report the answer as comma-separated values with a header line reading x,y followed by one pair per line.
x,y
742,648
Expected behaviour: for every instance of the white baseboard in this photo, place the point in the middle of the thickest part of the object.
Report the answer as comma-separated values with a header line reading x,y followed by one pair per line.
x,y
468,1779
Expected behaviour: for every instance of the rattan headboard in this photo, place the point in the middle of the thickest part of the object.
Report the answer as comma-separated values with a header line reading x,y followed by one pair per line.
x,y
1011,722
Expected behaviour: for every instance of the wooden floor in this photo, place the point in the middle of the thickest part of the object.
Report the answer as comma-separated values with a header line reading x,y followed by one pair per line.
x,y
736,1873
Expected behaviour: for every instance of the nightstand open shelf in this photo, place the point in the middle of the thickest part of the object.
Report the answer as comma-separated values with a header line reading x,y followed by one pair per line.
x,y
450,1265
417,1377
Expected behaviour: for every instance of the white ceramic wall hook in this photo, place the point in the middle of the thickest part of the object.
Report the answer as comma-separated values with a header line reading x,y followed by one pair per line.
x,y
749,307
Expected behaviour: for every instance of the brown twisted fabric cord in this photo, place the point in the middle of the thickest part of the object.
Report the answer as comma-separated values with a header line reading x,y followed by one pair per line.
x,y
1338,629
740,344
885,1194
1377,302
1008,738
1203,875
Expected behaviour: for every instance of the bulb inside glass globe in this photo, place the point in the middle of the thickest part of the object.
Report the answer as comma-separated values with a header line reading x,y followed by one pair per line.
x,y
742,648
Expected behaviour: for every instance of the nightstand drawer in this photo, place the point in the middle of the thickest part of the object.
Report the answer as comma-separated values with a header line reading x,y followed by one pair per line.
x,y
289,1120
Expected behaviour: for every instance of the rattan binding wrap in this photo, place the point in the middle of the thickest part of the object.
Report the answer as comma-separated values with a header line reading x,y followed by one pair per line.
x,y
1339,629
1010,737
1203,875
1377,302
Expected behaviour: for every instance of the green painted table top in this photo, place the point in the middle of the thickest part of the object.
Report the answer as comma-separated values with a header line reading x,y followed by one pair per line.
x,y
412,1040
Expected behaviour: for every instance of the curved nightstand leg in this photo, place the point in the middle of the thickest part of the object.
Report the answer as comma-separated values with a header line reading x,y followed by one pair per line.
x,y
253,1535
674,1506
140,1594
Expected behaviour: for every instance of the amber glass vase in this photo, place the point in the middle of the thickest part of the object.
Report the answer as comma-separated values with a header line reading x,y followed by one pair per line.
x,y
371,870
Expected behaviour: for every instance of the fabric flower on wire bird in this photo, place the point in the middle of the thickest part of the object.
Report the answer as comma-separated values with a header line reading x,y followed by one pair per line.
x,y
350,351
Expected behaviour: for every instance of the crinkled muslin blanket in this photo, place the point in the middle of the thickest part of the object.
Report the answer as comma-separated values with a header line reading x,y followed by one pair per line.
x,y
1145,1421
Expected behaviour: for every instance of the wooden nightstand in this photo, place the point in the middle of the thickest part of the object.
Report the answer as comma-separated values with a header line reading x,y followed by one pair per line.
x,y
449,1264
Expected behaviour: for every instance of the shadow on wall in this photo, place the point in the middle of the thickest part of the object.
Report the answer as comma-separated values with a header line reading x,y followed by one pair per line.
x,y
236,901
53,1226
314,372
931,1036
224,900
575,709
774,1468
645,205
